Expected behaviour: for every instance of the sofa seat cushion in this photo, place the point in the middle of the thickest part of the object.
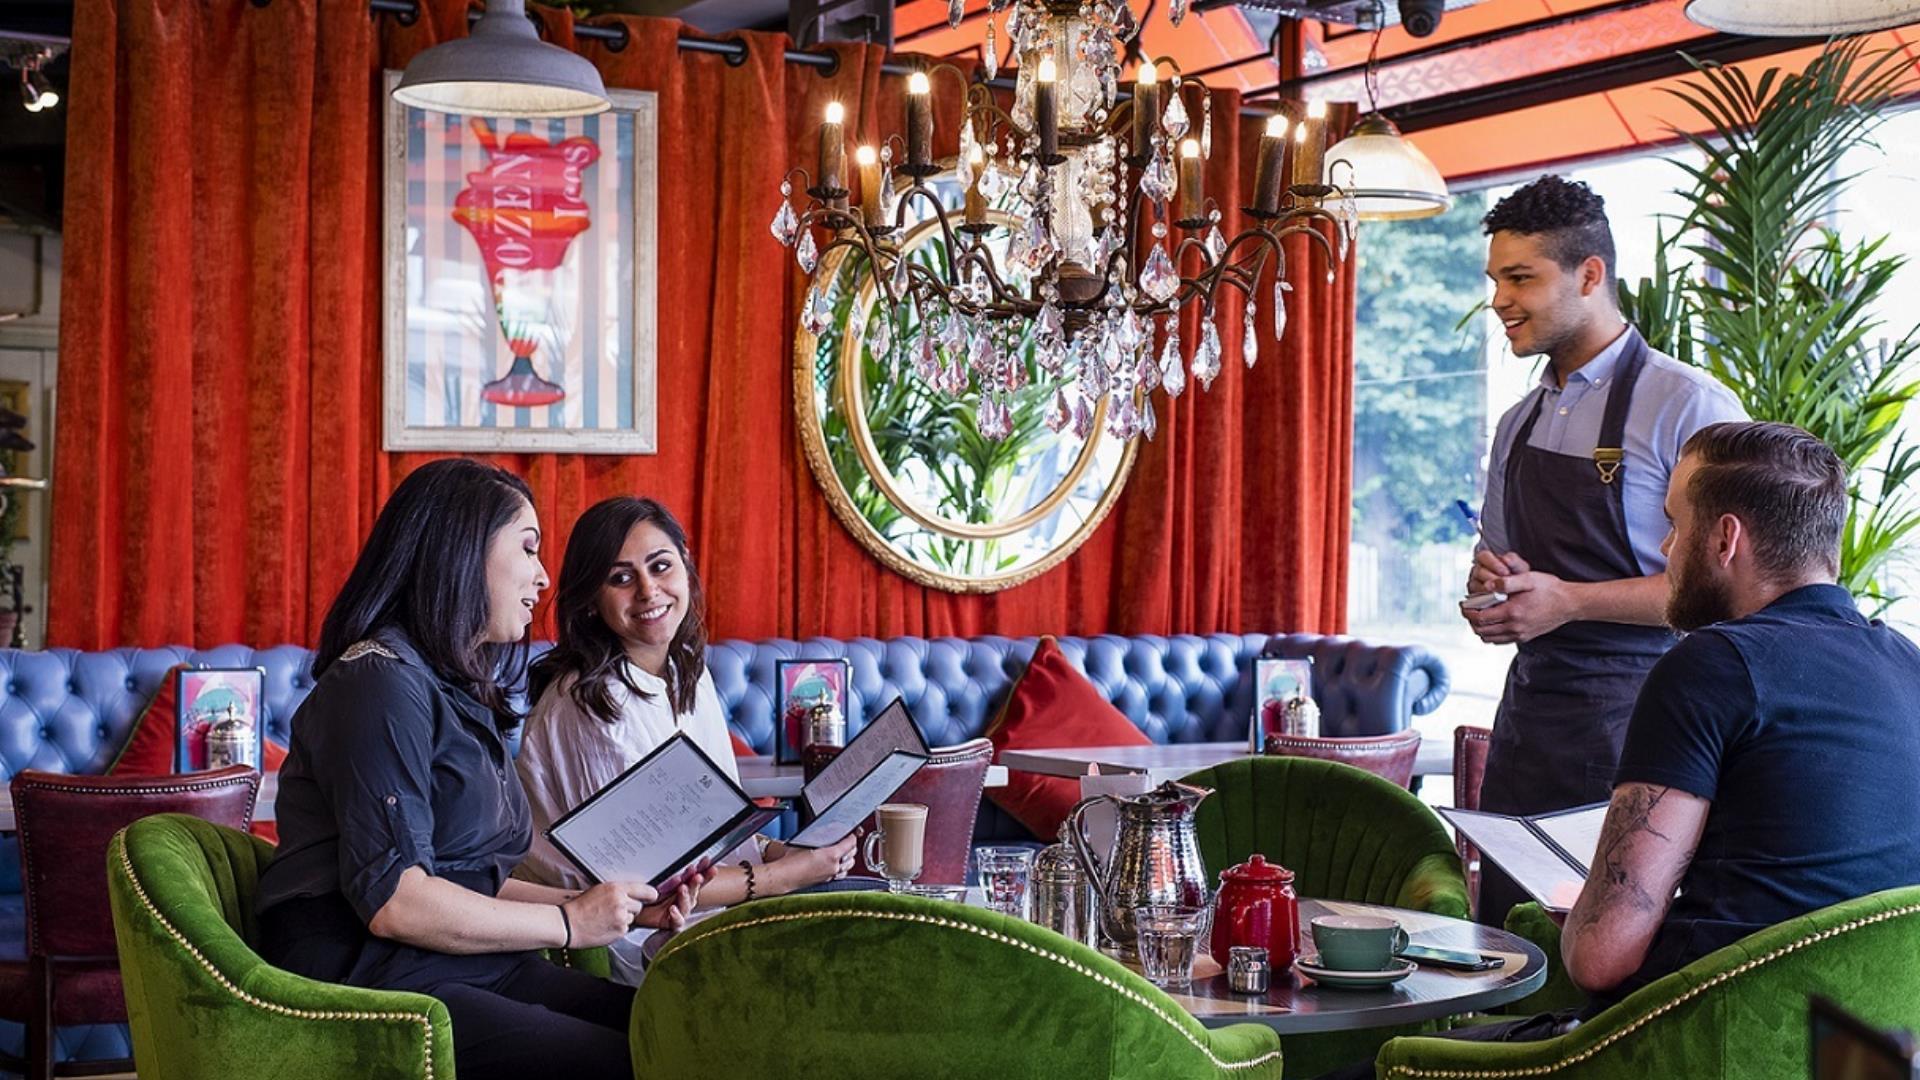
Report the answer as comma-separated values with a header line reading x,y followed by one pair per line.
x,y
1052,705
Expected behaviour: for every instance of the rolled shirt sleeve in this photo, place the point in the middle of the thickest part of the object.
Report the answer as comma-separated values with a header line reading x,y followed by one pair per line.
x,y
375,768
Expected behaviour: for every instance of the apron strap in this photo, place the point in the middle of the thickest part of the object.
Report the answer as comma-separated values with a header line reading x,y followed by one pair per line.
x,y
1610,454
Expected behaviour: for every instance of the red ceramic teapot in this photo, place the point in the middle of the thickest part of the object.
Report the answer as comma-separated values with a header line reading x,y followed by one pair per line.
x,y
1256,906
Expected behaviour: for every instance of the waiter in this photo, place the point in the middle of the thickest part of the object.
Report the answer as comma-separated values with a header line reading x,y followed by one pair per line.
x,y
1574,517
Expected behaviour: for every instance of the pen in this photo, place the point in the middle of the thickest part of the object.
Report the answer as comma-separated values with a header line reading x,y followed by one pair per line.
x,y
1473,519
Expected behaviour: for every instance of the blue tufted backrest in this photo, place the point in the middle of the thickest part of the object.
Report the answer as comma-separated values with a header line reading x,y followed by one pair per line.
x,y
68,711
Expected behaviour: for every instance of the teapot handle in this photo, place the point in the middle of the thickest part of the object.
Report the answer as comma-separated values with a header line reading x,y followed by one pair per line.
x,y
1076,830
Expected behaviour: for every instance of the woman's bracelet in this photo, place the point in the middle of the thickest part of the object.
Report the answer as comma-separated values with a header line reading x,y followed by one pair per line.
x,y
567,923
748,867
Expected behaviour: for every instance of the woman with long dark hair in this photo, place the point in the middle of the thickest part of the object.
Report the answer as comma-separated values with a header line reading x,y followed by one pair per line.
x,y
628,670
399,811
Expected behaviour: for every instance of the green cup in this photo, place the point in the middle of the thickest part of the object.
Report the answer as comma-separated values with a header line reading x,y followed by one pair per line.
x,y
1357,942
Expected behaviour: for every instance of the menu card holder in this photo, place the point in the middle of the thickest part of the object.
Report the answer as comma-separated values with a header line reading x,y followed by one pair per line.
x,y
673,812
1546,854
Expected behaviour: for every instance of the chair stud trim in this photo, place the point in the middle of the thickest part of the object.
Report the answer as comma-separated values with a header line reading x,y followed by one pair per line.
x,y
424,1022
1656,1013
1004,939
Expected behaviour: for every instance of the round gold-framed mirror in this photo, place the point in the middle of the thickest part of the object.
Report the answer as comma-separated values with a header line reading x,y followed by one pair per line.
x,y
901,460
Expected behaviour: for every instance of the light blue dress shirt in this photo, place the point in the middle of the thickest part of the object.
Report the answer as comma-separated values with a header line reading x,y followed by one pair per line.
x,y
1671,401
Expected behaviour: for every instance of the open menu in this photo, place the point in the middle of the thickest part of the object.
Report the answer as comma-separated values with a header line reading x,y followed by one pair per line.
x,y
867,772
1548,855
673,811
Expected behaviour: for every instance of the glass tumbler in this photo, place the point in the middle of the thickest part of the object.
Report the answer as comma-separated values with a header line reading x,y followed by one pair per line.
x,y
1005,874
1168,936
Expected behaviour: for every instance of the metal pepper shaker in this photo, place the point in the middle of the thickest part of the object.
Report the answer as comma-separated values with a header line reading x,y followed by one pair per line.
x,y
1247,969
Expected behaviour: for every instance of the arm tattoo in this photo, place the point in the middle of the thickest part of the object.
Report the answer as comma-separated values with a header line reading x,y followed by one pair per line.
x,y
1613,884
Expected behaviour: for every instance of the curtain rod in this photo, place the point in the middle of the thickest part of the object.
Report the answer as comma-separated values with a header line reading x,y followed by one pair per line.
x,y
735,52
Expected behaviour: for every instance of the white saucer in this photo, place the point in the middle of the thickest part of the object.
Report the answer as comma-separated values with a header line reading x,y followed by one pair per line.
x,y
1354,980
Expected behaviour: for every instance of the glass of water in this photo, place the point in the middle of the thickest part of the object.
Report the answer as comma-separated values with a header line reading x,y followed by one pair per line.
x,y
1005,873
1168,935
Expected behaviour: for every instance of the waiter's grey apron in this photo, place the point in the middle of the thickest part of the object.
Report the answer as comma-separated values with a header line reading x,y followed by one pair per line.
x,y
1570,693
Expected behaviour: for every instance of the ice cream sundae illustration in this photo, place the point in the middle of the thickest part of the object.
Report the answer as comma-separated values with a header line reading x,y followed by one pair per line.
x,y
523,210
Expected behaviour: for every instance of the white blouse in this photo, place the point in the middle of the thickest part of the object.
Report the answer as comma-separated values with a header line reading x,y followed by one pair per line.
x,y
567,755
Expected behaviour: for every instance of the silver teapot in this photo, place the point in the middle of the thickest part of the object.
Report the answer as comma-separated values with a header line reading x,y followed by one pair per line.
x,y
1156,858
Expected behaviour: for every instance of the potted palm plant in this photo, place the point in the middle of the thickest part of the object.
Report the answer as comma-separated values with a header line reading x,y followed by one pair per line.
x,y
1774,301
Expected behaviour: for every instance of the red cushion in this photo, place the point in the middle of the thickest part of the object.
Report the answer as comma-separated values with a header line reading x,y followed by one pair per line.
x,y
1052,705
149,749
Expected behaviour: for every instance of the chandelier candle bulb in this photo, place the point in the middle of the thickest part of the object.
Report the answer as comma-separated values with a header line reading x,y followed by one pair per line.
x,y
868,160
976,203
1046,111
833,149
1146,109
1192,205
919,119
1268,171
1310,147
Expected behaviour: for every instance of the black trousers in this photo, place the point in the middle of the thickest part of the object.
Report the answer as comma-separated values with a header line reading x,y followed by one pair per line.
x,y
1529,1029
540,1019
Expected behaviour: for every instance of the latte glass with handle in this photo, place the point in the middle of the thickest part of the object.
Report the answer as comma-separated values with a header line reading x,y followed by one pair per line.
x,y
895,847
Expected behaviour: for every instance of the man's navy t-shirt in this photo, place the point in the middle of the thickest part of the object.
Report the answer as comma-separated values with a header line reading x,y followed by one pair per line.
x,y
1801,724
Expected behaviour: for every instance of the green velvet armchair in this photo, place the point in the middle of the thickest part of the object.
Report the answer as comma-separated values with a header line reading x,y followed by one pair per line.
x,y
202,1004
1347,835
871,985
1734,1014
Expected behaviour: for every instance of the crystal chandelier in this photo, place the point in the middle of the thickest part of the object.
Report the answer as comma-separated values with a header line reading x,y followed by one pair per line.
x,y
1085,186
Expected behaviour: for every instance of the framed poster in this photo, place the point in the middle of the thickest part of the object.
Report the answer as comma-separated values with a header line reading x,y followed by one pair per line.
x,y
800,684
520,279
206,697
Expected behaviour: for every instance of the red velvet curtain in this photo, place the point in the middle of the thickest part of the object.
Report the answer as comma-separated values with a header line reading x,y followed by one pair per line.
x,y
219,454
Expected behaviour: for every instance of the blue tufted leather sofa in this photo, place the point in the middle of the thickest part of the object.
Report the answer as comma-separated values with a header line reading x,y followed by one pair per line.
x,y
67,711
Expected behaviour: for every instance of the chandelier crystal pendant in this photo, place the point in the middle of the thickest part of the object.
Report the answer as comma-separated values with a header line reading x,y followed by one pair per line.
x,y
1078,192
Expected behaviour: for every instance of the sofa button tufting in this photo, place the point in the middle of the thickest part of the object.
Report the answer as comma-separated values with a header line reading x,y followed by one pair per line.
x,y
73,687
46,733
131,685
13,687
101,731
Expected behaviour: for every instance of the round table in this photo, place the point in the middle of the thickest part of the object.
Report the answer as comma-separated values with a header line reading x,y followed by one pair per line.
x,y
1294,1004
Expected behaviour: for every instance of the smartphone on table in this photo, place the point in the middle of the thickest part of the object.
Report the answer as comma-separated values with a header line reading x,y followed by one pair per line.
x,y
1457,959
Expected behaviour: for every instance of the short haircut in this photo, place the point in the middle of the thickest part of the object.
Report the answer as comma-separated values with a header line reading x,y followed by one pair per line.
x,y
1787,487
1566,214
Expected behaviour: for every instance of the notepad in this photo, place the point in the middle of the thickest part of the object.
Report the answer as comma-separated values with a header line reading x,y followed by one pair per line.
x,y
672,811
866,773
1548,855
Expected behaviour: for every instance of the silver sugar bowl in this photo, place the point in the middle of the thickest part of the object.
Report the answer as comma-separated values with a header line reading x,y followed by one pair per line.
x,y
1062,895
230,742
1248,971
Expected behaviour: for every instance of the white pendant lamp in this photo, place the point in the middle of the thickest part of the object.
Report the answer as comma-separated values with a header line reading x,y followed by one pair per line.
x,y
502,68
1390,179
1802,18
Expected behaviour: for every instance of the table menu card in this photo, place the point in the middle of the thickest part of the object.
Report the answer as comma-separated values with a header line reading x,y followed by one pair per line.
x,y
673,810
1547,854
892,729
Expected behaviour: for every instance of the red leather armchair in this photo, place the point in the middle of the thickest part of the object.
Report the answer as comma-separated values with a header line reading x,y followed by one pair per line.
x,y
1470,746
1390,757
72,971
